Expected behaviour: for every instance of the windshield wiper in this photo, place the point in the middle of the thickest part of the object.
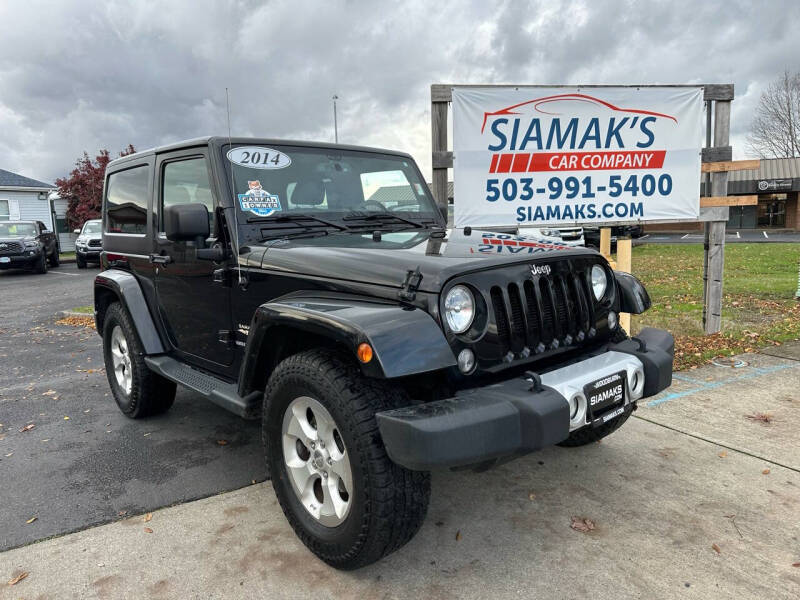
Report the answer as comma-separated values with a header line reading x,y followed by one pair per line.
x,y
295,219
375,216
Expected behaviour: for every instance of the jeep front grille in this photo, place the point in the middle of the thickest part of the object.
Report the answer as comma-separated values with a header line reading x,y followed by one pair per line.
x,y
531,314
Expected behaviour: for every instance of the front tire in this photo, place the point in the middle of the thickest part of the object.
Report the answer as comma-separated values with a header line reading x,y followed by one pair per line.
x,y
137,390
343,496
41,265
80,261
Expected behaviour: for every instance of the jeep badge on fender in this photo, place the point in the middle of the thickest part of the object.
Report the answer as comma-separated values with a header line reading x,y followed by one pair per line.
x,y
315,287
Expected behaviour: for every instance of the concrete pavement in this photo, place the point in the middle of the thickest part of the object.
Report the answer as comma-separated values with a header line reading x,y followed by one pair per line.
x,y
691,499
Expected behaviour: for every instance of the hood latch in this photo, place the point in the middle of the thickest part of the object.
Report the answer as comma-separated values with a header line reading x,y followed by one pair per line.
x,y
408,291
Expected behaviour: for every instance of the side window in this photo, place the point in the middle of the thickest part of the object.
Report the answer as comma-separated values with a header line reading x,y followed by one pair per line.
x,y
42,226
5,210
126,200
187,182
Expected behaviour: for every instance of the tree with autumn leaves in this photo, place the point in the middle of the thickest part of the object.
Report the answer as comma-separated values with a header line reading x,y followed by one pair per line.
x,y
83,188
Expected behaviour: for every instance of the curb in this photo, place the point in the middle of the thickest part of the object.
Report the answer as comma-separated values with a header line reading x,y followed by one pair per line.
x,y
72,313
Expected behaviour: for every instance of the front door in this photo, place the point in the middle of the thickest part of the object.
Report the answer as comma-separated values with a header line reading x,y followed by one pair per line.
x,y
195,310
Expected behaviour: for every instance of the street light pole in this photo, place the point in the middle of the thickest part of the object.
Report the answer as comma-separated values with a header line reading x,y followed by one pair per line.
x,y
335,124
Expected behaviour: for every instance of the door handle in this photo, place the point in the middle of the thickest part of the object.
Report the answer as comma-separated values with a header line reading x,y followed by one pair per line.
x,y
160,259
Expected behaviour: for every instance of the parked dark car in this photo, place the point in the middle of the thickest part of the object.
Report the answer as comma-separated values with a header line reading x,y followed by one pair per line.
x,y
27,245
89,243
592,234
373,343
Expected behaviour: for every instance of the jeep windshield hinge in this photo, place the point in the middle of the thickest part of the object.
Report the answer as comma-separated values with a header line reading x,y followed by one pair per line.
x,y
408,291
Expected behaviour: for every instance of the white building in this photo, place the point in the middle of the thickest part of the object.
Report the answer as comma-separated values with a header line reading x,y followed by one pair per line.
x,y
26,199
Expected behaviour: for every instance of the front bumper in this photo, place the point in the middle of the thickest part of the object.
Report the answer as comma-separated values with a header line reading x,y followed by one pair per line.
x,y
481,426
88,253
20,261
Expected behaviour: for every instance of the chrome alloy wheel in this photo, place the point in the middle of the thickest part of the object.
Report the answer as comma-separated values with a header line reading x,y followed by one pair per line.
x,y
317,461
122,359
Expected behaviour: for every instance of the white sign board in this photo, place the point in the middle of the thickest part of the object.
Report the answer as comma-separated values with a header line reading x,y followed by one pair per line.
x,y
535,157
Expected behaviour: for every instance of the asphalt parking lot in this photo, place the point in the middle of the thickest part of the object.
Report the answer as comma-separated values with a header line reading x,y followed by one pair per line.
x,y
696,497
83,462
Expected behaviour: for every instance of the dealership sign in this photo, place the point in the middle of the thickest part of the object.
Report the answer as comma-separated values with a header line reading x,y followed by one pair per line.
x,y
543,156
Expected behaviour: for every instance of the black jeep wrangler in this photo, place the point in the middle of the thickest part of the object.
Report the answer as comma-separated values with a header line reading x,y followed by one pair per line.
x,y
316,287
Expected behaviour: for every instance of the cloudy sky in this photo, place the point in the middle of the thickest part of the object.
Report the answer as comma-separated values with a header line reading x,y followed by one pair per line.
x,y
78,76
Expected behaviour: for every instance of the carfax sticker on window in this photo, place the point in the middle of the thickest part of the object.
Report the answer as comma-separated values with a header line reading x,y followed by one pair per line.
x,y
258,157
259,201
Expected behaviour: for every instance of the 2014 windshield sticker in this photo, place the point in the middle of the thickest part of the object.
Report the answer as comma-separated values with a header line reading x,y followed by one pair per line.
x,y
259,157
258,200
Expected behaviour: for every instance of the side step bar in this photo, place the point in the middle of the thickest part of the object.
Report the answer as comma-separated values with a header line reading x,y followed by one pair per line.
x,y
220,392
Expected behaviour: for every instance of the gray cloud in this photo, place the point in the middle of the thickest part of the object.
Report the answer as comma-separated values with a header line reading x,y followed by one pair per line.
x,y
78,76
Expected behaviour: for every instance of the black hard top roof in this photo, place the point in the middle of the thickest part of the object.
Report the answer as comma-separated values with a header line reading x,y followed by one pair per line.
x,y
217,141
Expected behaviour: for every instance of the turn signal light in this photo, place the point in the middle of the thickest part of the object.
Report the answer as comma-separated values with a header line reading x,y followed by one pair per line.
x,y
364,353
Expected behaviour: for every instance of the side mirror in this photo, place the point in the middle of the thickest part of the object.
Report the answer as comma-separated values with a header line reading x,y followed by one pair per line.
x,y
76,231
186,222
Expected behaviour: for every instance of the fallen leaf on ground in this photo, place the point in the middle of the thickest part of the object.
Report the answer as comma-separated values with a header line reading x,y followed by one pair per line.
x,y
31,520
147,517
716,548
723,454
148,530
531,496
797,564
582,524
18,578
760,417
66,418
765,472
458,535
122,513
222,442
49,393
27,427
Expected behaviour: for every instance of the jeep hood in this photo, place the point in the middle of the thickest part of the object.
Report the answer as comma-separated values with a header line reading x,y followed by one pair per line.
x,y
356,256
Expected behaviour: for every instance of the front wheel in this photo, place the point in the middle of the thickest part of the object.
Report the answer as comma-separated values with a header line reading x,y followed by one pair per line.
x,y
346,501
80,261
41,264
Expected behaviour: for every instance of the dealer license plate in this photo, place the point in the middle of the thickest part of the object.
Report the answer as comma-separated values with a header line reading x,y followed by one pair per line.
x,y
604,394
5,259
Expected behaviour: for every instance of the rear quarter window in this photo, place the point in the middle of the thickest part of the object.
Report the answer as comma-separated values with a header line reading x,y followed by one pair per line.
x,y
127,195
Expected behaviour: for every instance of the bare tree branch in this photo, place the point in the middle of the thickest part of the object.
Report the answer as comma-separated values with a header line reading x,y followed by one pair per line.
x,y
775,131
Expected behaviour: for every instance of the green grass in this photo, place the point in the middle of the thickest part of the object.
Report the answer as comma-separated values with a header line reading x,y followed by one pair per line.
x,y
86,310
758,308
64,255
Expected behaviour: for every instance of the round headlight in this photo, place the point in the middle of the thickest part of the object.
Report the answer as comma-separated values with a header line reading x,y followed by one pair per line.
x,y
599,281
459,309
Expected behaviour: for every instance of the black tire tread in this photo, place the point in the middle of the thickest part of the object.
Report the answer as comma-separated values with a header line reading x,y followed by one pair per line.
x,y
398,498
151,394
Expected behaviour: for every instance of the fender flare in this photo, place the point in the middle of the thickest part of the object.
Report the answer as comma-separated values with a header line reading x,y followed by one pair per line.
x,y
405,340
127,289
634,298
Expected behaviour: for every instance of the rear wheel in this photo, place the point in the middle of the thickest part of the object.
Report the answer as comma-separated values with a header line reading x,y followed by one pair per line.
x,y
54,258
137,390
347,502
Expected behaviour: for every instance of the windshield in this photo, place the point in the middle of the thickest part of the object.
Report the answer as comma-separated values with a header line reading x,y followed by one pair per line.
x,y
17,229
92,227
282,181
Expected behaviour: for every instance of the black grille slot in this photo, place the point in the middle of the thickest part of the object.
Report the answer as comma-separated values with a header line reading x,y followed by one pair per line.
x,y
561,306
95,243
533,313
500,317
517,317
581,301
548,312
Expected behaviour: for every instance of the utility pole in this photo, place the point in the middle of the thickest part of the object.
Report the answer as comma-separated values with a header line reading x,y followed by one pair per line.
x,y
335,124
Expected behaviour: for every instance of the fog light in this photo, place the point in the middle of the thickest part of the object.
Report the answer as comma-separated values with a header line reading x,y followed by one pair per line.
x,y
466,361
612,320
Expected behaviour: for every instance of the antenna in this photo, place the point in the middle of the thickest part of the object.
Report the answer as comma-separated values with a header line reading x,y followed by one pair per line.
x,y
233,194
